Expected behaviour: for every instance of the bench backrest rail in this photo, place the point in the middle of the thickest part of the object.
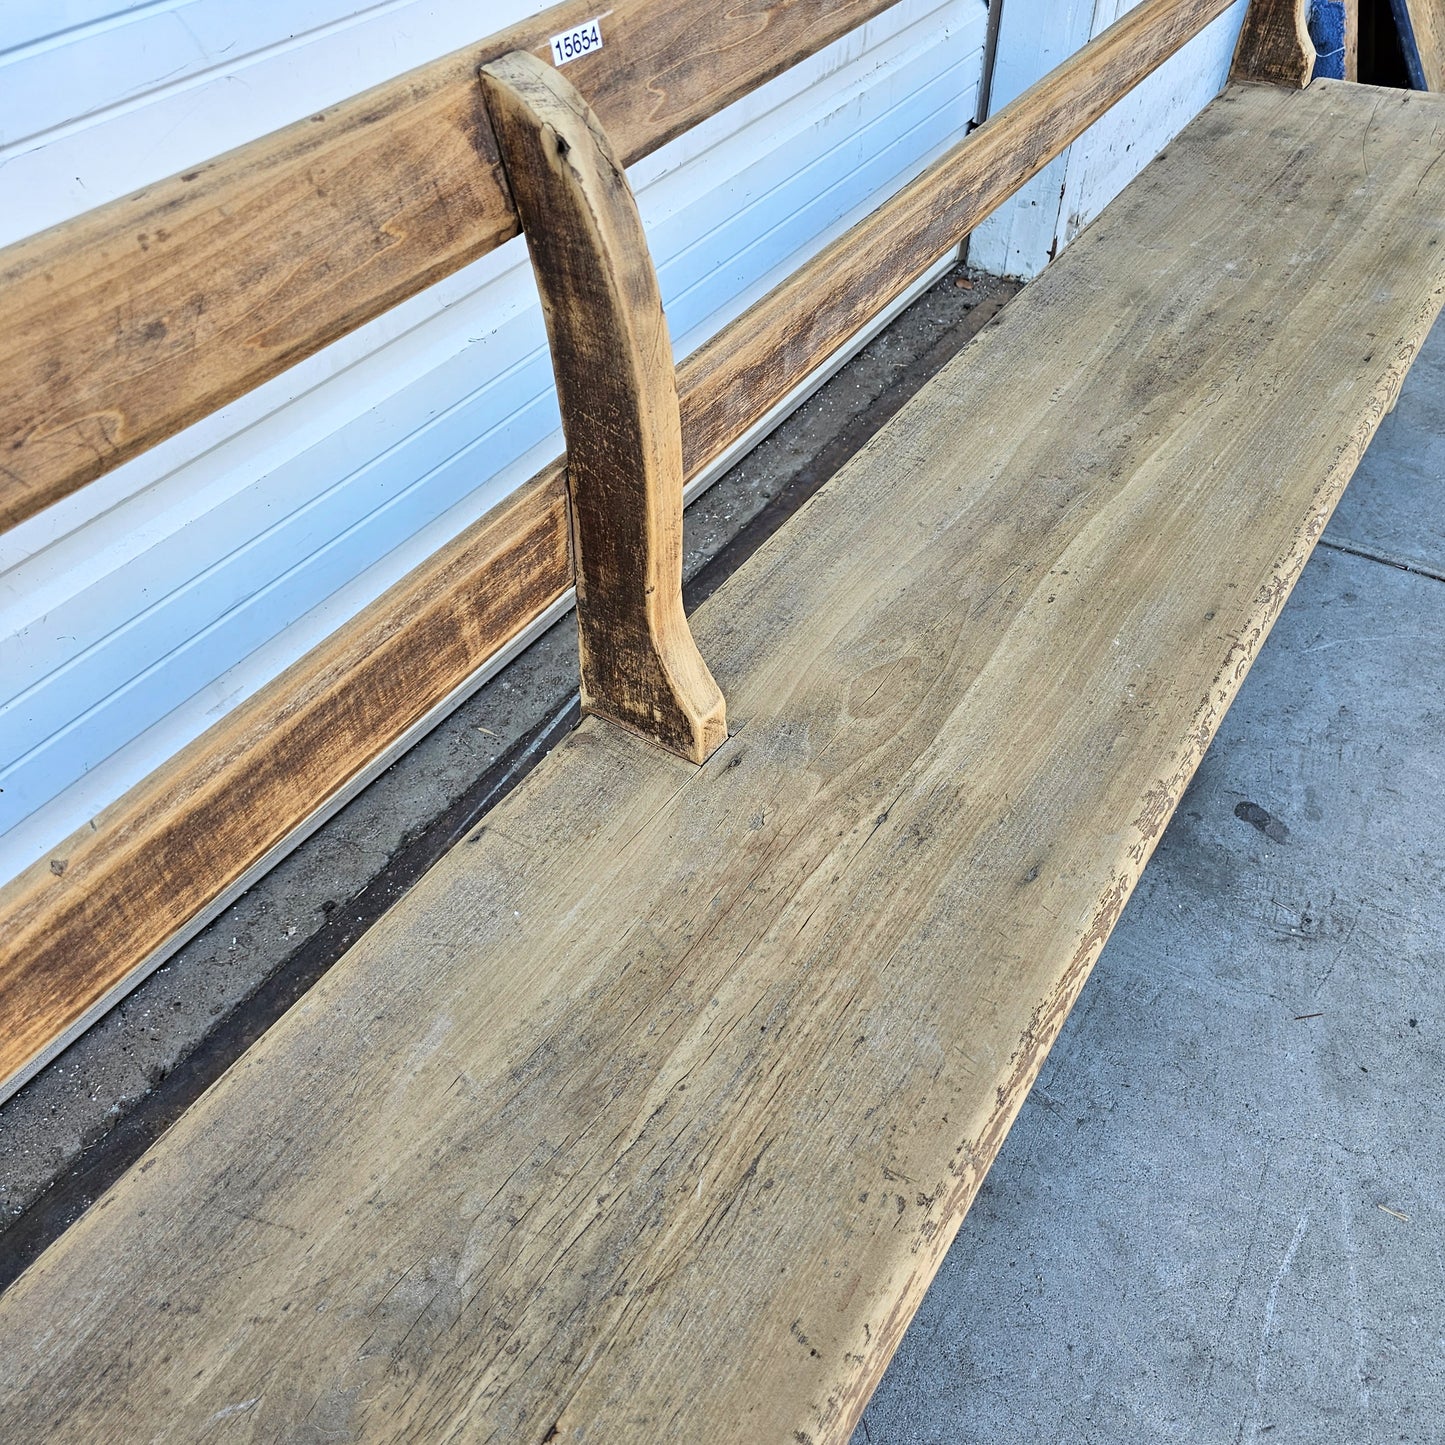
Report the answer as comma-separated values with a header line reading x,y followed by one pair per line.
x,y
85,924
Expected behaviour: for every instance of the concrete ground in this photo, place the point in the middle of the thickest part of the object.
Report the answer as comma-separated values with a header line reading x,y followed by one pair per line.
x,y
1220,1217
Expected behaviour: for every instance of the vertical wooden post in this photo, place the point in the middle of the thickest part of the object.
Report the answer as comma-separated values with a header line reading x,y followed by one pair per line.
x,y
616,382
1274,44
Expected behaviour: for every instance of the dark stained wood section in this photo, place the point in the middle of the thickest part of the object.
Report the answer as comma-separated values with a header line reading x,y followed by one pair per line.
x,y
612,358
1274,44
133,320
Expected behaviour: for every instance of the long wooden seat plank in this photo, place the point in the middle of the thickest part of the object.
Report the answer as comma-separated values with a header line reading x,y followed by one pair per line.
x,y
650,1113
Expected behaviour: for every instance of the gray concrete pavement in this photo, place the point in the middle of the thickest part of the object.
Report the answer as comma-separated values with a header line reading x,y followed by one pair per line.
x,y
1220,1217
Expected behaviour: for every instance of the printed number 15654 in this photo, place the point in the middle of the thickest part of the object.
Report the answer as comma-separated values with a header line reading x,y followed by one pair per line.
x,y
579,40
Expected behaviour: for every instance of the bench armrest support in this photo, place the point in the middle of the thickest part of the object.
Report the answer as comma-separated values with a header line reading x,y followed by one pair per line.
x,y
1275,45
616,383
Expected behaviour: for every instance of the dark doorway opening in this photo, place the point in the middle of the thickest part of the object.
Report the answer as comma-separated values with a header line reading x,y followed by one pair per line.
x,y
1382,57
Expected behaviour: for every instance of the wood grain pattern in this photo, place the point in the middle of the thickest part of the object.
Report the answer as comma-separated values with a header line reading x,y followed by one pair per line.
x,y
133,320
617,387
651,1111
1274,44
79,937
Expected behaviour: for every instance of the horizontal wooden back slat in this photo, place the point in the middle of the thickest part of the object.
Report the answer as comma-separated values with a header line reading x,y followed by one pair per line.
x,y
84,921
136,319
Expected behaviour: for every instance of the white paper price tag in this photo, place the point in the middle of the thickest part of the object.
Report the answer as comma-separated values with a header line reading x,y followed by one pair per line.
x,y
579,40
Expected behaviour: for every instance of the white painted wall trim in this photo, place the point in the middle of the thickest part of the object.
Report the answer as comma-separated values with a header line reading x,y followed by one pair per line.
x,y
1025,233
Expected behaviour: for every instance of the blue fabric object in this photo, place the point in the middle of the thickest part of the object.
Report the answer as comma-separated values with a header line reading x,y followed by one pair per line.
x,y
1327,30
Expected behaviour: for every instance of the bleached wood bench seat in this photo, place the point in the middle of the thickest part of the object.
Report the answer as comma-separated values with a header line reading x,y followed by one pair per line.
x,y
649,1114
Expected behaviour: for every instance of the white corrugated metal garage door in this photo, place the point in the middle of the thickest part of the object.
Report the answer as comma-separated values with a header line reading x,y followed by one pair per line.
x,y
137,612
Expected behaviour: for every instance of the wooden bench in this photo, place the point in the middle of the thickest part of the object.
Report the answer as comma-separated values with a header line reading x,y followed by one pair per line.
x,y
651,1111
242,267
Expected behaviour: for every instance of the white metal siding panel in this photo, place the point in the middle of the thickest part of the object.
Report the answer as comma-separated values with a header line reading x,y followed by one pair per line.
x,y
137,612
1025,233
